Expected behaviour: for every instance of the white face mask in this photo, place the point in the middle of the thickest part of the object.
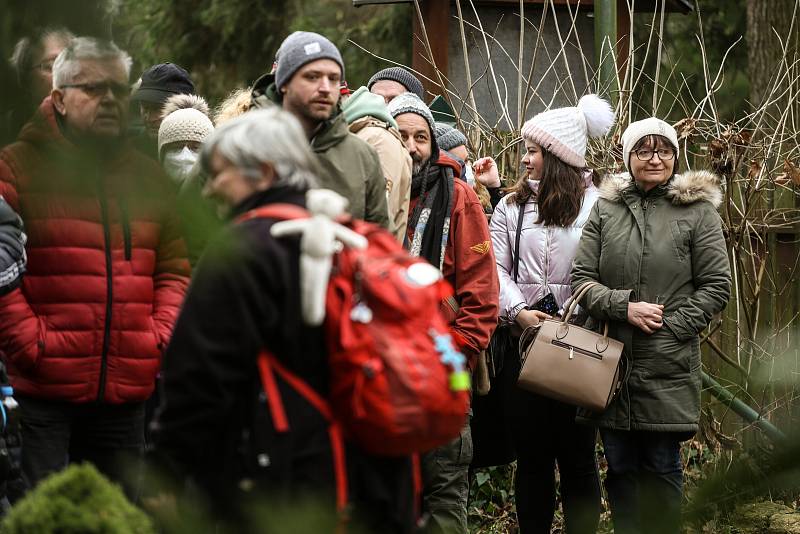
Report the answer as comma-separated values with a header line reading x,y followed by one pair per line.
x,y
179,163
469,175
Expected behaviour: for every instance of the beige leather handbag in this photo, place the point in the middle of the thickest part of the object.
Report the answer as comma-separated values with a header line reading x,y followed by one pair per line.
x,y
572,364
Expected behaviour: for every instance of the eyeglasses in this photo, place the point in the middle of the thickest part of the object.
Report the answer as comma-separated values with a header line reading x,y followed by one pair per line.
x,y
45,66
98,89
664,154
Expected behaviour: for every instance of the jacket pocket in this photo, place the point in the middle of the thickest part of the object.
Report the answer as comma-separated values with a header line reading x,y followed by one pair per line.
x,y
455,455
680,240
41,342
157,339
28,359
664,357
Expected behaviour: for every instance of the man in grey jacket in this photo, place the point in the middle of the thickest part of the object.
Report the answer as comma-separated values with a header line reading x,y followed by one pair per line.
x,y
12,248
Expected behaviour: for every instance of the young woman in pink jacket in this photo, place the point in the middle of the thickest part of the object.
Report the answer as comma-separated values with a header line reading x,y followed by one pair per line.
x,y
535,231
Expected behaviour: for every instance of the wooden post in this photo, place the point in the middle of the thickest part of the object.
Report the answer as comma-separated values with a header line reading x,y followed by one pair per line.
x,y
436,15
605,33
623,36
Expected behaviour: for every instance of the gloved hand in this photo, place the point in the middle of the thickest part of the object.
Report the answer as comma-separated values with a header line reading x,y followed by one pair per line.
x,y
12,248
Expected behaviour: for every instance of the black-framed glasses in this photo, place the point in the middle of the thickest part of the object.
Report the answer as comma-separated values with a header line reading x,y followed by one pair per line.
x,y
98,89
45,65
664,154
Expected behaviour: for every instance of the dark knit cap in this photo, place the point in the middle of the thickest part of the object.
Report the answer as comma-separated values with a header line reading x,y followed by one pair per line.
x,y
401,76
301,48
161,81
448,137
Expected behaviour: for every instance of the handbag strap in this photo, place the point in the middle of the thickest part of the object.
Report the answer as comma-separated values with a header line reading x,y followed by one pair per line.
x,y
575,299
577,296
515,255
527,335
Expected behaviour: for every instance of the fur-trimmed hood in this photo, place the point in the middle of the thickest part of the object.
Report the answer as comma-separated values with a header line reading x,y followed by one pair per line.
x,y
682,189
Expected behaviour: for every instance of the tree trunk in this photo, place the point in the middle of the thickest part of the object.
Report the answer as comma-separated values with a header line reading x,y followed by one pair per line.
x,y
768,23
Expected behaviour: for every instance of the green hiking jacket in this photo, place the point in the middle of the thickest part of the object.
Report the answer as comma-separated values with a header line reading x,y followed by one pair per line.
x,y
666,244
348,165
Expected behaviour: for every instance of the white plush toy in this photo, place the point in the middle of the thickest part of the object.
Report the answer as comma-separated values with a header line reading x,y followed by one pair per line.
x,y
322,237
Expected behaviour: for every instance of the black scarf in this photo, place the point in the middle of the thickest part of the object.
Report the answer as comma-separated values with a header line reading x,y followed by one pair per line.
x,y
433,184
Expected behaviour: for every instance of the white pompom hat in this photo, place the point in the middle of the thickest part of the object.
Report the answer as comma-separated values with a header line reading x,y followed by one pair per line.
x,y
185,119
564,132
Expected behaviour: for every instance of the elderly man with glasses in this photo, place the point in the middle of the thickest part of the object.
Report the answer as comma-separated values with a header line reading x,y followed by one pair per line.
x,y
106,274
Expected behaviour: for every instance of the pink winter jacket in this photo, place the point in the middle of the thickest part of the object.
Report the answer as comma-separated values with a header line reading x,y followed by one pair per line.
x,y
546,254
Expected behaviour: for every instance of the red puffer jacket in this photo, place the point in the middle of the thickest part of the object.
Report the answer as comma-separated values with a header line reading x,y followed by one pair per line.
x,y
107,269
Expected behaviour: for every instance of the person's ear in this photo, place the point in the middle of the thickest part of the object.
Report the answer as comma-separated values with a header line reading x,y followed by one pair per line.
x,y
268,176
58,101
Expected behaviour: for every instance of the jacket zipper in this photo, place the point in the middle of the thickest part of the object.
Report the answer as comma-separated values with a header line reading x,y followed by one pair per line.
x,y
572,349
109,293
126,228
546,260
643,203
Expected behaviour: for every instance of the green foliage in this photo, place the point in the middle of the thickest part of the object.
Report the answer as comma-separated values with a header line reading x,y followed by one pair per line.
x,y
229,43
682,63
221,42
76,500
491,504
383,30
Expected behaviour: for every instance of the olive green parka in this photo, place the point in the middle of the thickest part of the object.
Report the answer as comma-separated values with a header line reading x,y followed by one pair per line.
x,y
665,245
348,165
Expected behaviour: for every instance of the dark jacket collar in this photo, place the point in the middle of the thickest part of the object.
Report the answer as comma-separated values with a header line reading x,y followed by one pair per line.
x,y
273,195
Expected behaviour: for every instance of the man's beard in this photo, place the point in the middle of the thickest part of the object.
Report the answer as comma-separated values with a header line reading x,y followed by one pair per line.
x,y
309,113
418,164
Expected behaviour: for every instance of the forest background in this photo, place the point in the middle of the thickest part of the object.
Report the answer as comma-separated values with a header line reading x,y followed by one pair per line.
x,y
730,76
229,43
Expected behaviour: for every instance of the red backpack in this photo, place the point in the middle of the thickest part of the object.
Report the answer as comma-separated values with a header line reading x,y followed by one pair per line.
x,y
398,386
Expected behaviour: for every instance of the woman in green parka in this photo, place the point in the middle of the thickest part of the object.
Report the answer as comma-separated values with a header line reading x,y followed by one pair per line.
x,y
654,242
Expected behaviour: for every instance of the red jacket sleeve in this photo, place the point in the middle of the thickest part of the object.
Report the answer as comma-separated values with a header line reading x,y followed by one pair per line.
x,y
20,333
469,266
171,277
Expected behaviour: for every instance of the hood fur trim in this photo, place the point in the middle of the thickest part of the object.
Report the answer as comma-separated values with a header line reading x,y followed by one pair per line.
x,y
694,186
612,186
686,188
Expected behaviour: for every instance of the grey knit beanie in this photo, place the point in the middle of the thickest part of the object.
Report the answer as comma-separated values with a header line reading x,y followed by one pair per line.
x,y
448,137
411,103
401,76
301,48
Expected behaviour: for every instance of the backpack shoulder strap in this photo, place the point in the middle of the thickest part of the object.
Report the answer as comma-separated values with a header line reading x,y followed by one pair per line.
x,y
268,367
281,212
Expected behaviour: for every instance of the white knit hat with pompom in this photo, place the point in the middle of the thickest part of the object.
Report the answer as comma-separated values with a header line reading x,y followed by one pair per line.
x,y
185,119
564,132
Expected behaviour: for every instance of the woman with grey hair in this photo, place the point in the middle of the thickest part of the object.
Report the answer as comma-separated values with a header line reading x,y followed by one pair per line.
x,y
32,65
240,146
214,428
33,60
